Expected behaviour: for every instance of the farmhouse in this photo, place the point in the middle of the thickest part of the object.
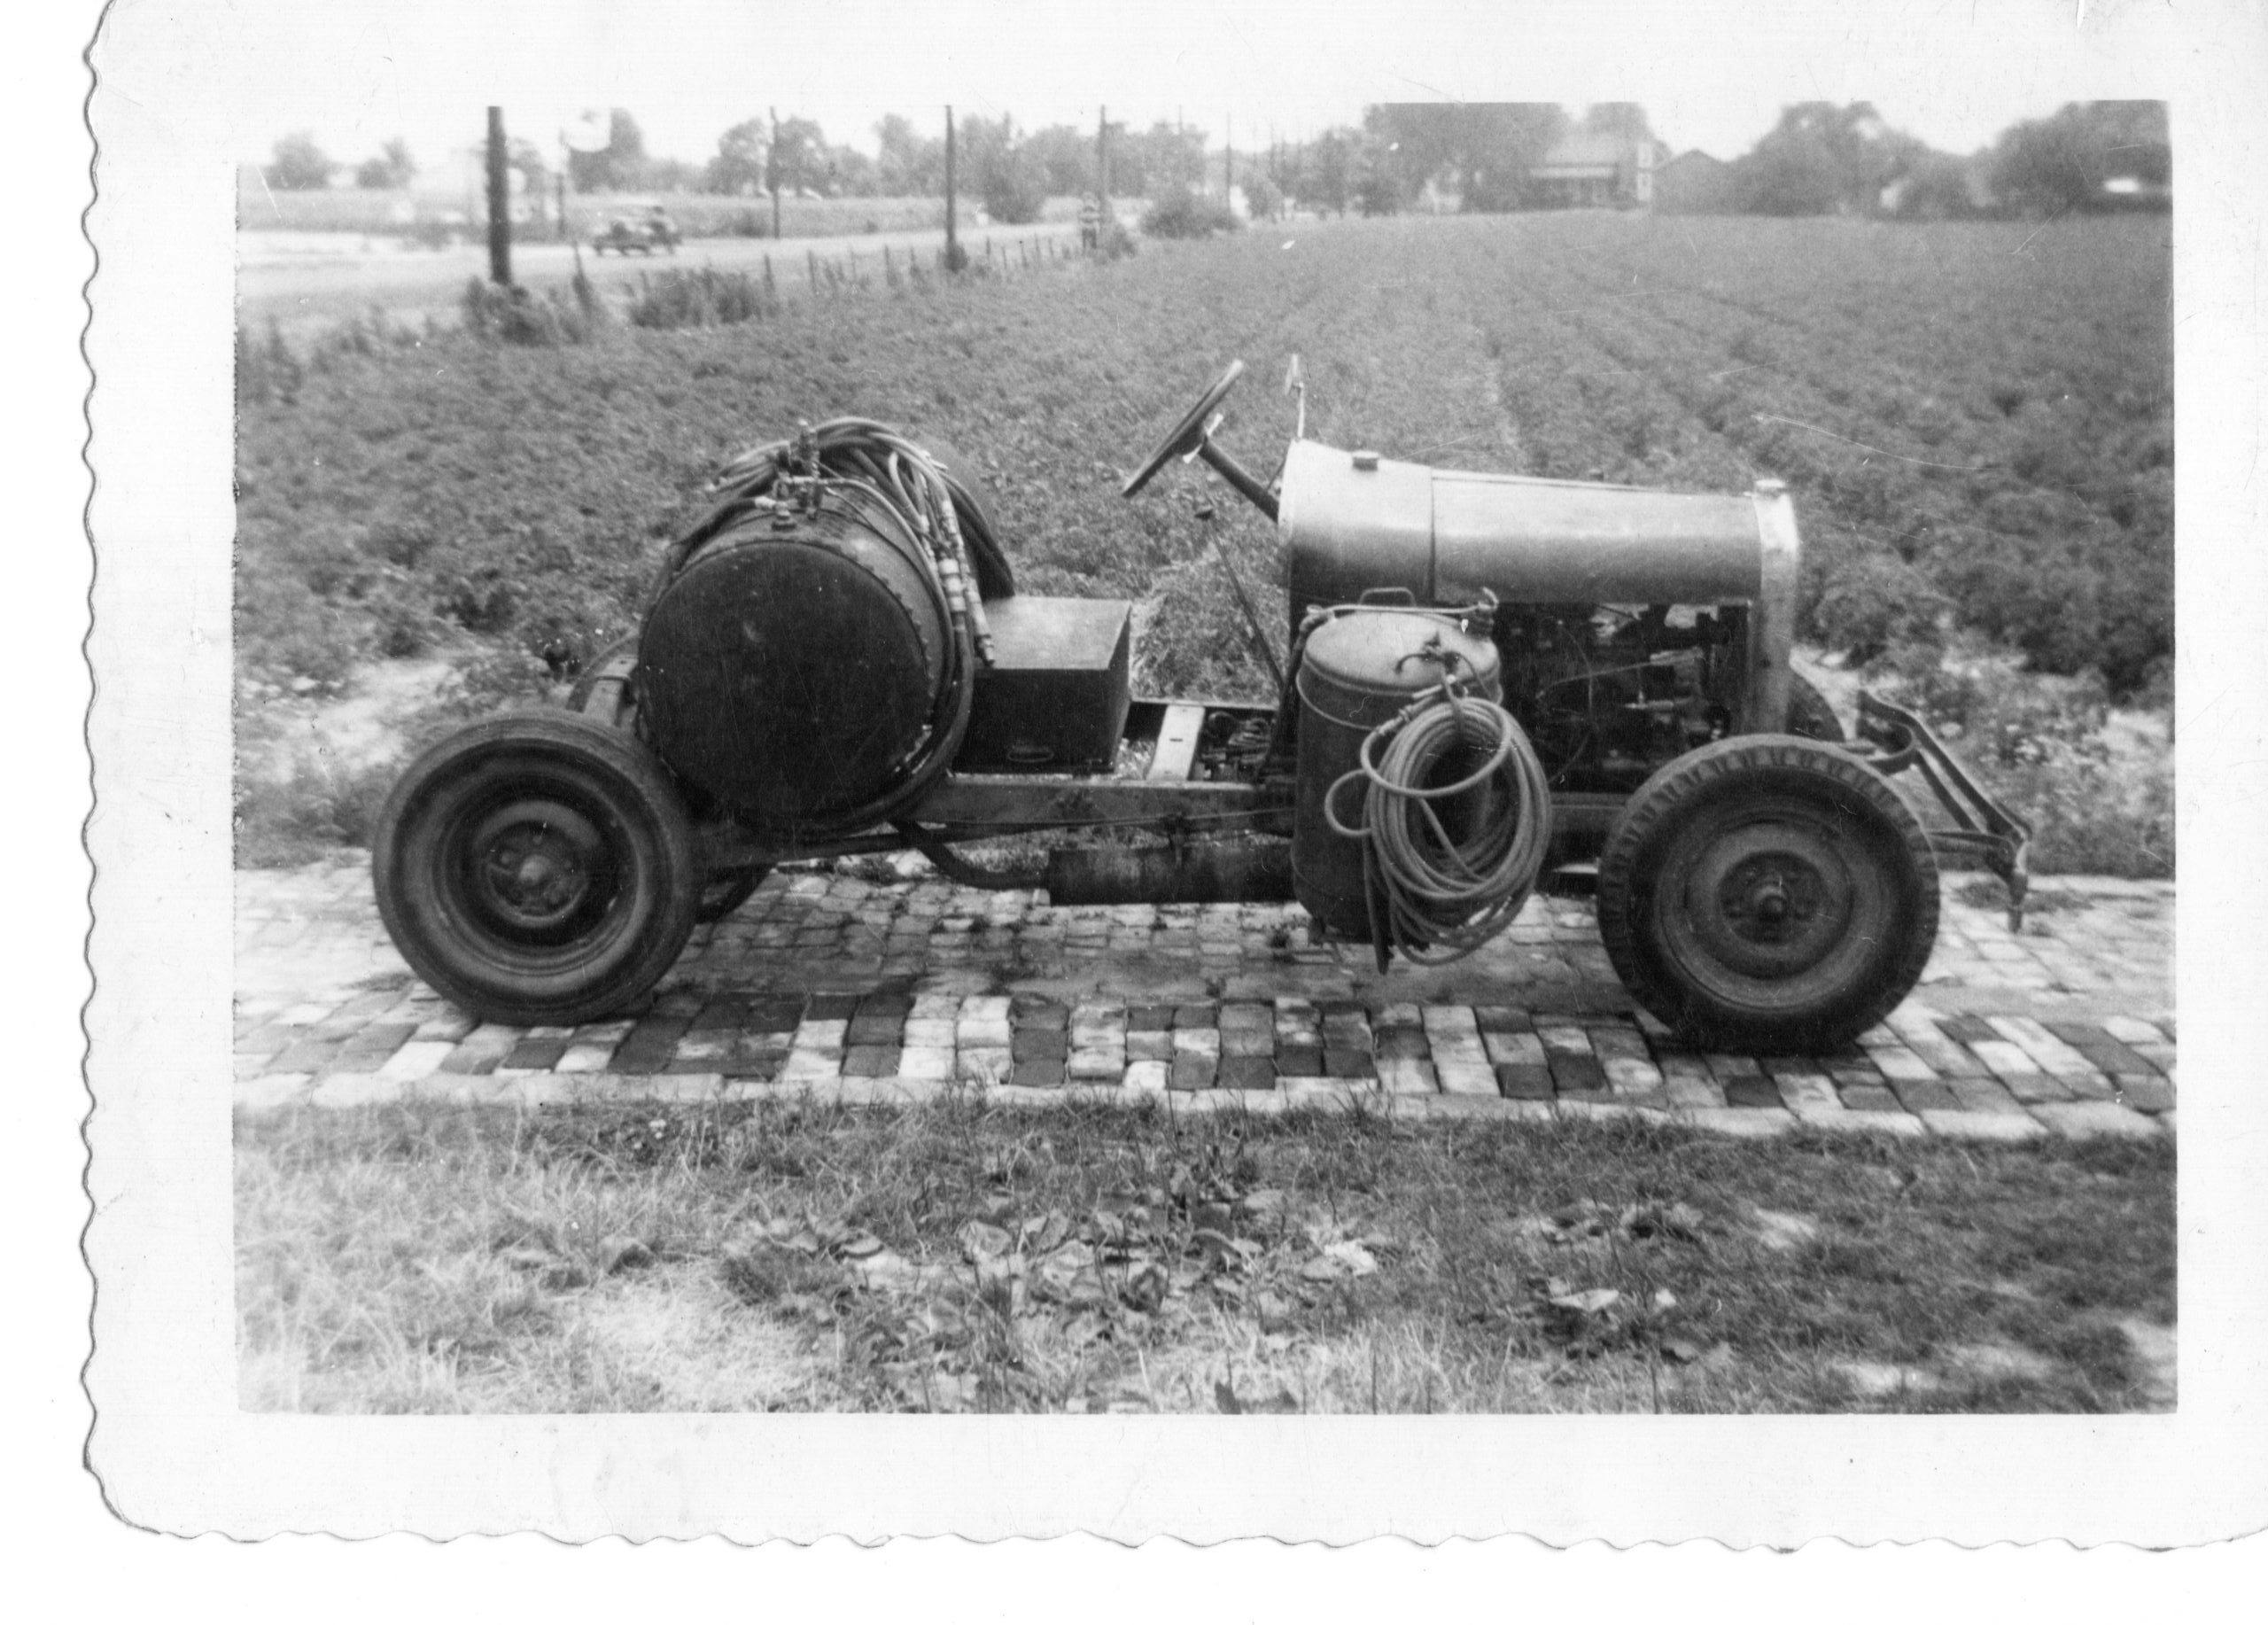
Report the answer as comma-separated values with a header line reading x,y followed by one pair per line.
x,y
1693,183
1596,171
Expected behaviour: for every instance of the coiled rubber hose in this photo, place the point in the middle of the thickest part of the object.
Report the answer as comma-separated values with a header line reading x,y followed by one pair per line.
x,y
1431,896
848,447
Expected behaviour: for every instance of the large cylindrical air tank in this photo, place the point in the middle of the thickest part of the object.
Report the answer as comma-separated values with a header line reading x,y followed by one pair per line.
x,y
795,664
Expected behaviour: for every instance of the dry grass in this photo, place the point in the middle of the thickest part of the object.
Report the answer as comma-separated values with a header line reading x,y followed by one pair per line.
x,y
963,1257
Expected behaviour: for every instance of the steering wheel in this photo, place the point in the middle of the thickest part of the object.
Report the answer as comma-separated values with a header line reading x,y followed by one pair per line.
x,y
1187,433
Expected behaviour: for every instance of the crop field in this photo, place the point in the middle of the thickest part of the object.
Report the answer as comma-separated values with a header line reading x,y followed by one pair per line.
x,y
1976,420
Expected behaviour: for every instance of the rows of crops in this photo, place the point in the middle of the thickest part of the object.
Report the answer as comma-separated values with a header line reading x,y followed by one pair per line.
x,y
1977,420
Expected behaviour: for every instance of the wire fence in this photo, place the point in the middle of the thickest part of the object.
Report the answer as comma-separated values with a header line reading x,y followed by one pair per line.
x,y
705,296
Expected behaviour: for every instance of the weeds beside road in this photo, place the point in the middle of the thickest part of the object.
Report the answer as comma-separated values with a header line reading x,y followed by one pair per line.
x,y
964,1257
305,295
265,216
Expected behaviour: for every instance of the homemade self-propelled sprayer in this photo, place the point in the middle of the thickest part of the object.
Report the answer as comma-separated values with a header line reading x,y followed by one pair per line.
x,y
1490,678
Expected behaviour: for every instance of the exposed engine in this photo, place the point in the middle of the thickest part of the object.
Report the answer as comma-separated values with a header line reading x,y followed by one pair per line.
x,y
1608,693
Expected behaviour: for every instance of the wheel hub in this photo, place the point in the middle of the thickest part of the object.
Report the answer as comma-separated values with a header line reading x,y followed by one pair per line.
x,y
1770,898
537,866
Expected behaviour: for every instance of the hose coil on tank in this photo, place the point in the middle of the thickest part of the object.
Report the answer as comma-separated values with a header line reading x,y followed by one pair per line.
x,y
874,454
1432,894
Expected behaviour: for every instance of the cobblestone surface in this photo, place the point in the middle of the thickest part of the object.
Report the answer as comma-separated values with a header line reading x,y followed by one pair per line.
x,y
831,986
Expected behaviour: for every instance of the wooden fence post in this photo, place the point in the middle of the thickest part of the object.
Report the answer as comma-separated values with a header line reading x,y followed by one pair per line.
x,y
500,205
952,254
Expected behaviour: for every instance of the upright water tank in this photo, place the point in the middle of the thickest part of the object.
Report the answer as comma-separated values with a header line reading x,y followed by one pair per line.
x,y
1359,669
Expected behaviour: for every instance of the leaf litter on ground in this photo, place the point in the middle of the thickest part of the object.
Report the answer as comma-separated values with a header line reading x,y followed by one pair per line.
x,y
1139,1257
1118,1273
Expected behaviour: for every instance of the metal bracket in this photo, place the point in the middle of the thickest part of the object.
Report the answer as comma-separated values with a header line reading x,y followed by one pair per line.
x,y
1893,739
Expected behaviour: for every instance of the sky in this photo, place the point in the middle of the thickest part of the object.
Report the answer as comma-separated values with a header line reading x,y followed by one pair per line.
x,y
1714,75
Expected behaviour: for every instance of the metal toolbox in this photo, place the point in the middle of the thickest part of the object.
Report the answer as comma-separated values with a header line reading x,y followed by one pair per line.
x,y
1055,696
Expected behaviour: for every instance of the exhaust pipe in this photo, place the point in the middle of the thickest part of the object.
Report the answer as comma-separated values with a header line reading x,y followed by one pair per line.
x,y
1243,872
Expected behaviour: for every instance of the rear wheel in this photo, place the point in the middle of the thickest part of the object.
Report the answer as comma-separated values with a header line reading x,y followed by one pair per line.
x,y
1769,894
537,868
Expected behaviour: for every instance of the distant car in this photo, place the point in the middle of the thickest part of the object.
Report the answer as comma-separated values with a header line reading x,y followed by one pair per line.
x,y
628,236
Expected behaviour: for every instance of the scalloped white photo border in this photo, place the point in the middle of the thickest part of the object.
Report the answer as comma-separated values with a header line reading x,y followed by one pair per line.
x,y
174,1452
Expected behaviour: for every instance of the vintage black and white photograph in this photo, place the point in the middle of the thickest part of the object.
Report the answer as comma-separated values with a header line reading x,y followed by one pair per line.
x,y
997,710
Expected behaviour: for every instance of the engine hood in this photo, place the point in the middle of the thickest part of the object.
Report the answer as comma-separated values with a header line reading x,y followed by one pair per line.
x,y
1355,522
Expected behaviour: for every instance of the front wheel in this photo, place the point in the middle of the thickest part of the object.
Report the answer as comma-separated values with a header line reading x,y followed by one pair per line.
x,y
537,868
1768,894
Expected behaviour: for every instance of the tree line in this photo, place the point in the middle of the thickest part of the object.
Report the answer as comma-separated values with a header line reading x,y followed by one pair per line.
x,y
1820,157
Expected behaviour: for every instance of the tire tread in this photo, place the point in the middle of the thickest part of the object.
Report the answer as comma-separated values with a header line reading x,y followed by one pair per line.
x,y
1676,787
610,750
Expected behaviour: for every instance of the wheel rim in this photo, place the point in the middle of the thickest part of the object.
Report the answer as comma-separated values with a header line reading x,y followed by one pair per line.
x,y
537,872
1771,904
533,874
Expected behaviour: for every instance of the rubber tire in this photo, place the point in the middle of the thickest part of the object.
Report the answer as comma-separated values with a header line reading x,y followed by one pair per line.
x,y
1809,715
604,776
1885,947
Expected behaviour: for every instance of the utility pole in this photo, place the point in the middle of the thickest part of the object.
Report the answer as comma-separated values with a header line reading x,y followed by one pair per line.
x,y
771,172
1102,165
953,239
500,204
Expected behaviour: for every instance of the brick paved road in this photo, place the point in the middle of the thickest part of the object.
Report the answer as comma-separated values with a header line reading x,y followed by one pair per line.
x,y
828,985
